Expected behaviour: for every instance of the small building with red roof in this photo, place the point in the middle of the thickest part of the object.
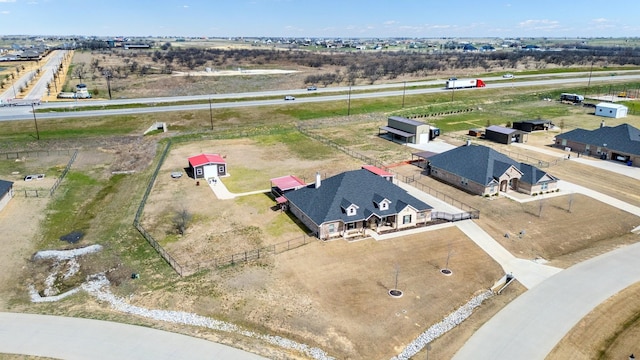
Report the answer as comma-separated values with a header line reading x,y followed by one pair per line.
x,y
380,172
205,166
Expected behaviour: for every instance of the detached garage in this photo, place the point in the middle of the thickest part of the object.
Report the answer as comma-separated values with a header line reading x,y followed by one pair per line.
x,y
408,130
205,166
6,193
504,135
611,110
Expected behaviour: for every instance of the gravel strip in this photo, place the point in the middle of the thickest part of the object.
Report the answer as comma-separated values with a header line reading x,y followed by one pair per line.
x,y
448,323
98,285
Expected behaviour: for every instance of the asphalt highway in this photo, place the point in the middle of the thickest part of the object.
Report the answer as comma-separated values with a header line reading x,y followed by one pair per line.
x,y
74,108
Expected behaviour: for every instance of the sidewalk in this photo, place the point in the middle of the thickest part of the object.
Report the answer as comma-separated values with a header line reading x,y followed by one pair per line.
x,y
222,193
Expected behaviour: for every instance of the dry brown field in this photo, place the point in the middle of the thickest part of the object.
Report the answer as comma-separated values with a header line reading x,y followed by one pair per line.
x,y
329,294
342,308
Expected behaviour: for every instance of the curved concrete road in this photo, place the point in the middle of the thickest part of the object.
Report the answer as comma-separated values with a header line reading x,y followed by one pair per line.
x,y
532,325
75,338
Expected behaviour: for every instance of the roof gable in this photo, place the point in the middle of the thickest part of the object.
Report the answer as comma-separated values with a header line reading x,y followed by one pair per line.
x,y
359,188
204,159
482,165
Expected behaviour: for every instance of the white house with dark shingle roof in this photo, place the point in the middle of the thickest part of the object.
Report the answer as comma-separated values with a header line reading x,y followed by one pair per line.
x,y
484,171
354,202
6,193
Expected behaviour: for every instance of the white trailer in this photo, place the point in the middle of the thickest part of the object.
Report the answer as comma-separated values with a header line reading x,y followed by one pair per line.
x,y
21,102
465,83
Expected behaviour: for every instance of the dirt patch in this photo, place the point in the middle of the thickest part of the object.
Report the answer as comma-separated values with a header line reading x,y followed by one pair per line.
x,y
223,227
19,224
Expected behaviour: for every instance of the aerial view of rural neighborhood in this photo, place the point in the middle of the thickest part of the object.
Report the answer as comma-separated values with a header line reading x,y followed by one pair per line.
x,y
319,197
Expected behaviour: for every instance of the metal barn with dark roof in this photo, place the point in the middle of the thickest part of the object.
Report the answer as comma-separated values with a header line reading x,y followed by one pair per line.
x,y
504,135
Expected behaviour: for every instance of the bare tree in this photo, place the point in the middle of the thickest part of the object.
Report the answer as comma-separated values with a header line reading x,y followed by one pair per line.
x,y
79,71
181,220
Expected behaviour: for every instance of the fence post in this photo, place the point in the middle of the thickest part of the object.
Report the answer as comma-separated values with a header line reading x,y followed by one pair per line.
x,y
245,256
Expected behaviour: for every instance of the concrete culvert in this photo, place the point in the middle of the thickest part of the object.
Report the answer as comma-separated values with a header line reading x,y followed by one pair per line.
x,y
72,237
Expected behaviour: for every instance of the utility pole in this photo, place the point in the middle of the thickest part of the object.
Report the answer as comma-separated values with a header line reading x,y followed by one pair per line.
x,y
590,71
349,102
404,90
107,74
211,113
33,109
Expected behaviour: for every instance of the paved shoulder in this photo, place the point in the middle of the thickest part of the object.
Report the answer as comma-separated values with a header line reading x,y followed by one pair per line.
x,y
74,338
530,326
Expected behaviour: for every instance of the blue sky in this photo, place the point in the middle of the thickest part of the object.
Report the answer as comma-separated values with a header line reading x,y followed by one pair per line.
x,y
322,18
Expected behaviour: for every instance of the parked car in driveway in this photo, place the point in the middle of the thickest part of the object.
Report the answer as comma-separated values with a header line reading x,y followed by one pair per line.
x,y
289,97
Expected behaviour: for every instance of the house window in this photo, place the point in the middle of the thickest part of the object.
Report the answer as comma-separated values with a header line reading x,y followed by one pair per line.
x,y
464,181
352,211
406,219
564,142
544,186
384,205
351,226
221,169
331,228
198,171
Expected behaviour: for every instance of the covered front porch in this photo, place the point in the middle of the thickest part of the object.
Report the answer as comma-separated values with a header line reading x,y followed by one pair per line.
x,y
360,228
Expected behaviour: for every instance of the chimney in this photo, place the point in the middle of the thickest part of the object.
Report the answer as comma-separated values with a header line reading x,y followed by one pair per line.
x,y
318,180
602,123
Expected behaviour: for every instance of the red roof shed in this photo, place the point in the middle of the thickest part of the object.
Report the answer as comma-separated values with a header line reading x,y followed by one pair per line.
x,y
207,165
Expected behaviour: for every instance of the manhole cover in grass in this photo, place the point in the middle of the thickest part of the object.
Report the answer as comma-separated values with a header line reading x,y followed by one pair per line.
x,y
446,272
395,293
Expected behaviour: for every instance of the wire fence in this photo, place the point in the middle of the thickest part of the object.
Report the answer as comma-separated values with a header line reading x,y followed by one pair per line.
x,y
64,173
177,267
467,210
30,193
237,258
34,153
252,255
520,157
